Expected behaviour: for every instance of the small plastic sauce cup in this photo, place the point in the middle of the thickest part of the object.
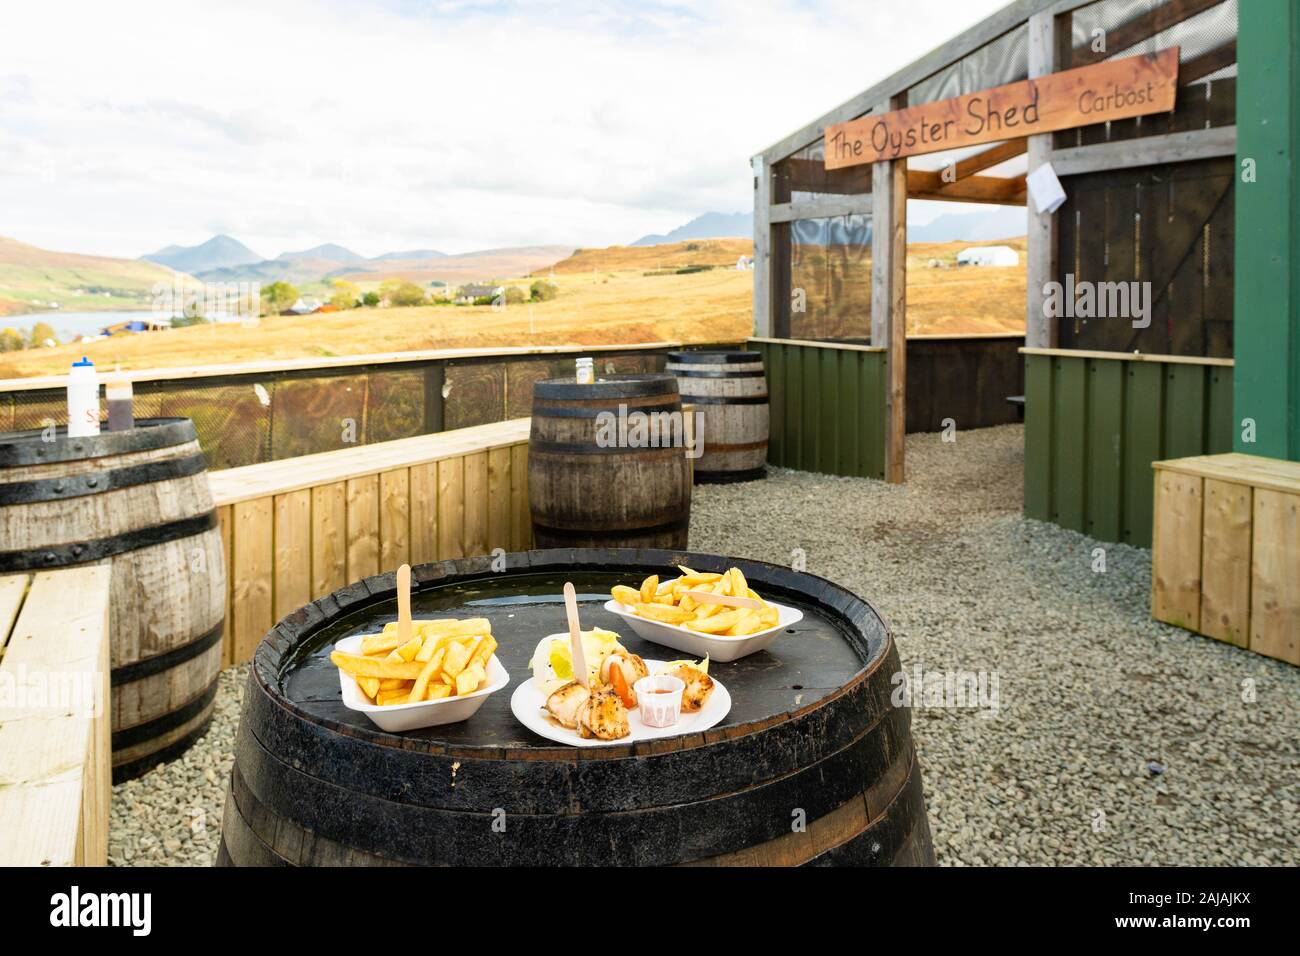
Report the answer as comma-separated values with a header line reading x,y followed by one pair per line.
x,y
660,699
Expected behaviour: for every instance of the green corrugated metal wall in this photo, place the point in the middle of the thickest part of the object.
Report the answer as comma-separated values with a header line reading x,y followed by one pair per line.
x,y
827,408
1267,261
1093,426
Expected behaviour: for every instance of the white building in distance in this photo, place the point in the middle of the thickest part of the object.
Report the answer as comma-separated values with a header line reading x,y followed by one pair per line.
x,y
988,256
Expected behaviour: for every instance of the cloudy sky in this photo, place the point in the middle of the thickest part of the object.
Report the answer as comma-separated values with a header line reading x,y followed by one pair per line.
x,y
454,125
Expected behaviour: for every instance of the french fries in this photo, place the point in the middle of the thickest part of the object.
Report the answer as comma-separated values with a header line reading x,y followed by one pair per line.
x,y
666,613
445,658
670,602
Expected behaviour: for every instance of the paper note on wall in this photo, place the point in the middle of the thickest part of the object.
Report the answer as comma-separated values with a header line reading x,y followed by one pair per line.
x,y
1045,189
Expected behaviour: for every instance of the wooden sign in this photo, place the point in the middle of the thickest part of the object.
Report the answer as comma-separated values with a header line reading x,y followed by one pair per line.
x,y
1116,89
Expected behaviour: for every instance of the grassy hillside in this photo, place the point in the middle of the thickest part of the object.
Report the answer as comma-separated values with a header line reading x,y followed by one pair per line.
x,y
30,278
721,253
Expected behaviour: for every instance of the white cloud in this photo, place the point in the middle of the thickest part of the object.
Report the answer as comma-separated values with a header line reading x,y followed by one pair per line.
x,y
454,125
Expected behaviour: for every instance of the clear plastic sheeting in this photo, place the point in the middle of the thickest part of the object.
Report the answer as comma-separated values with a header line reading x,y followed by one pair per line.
x,y
1195,36
830,278
803,176
1004,60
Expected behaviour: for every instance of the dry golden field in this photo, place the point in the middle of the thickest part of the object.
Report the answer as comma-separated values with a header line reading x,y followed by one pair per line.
x,y
963,300
616,304
627,308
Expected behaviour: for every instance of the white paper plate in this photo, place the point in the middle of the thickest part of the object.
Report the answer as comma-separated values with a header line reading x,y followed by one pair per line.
x,y
718,647
425,713
529,707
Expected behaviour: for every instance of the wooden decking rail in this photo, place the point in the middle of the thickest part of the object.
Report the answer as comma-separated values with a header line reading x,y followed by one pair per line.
x,y
55,768
298,528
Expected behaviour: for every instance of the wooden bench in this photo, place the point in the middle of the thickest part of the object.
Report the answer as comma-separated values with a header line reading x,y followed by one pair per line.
x,y
55,768
1225,553
297,529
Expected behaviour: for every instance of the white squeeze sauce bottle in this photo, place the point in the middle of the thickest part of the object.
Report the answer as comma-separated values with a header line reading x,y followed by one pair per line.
x,y
83,399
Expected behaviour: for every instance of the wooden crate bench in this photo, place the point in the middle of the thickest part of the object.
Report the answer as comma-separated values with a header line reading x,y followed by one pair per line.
x,y
299,528
1225,555
55,769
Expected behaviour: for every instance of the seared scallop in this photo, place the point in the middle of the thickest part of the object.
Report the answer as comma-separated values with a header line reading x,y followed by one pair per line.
x,y
699,686
632,666
603,716
565,703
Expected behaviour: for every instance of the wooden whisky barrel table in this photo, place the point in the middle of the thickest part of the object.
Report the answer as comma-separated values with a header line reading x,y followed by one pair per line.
x,y
139,501
729,389
607,466
813,764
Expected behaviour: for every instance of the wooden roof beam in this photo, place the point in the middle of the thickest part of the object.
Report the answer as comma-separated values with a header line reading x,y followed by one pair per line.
x,y
1142,27
923,184
1212,61
991,157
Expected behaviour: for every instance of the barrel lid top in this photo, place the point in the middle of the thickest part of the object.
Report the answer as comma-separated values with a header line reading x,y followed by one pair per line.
x,y
840,640
39,446
713,358
608,386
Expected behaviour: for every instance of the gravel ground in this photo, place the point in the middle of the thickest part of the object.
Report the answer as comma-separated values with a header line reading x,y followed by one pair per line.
x,y
1114,740
171,816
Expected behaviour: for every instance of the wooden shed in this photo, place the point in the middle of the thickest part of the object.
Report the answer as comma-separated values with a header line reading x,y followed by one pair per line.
x,y
1146,337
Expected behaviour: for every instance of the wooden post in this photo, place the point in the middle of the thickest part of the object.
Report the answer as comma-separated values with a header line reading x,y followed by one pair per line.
x,y
1266,312
889,298
1040,331
762,248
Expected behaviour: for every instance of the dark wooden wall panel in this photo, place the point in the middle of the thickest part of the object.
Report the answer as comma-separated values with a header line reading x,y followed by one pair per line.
x,y
967,380
1171,225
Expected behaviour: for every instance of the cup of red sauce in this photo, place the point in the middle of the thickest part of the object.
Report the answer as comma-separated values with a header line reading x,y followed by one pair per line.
x,y
659,698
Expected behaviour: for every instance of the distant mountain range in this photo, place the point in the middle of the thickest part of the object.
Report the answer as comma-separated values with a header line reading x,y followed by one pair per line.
x,y
217,253
330,252
411,254
224,259
991,222
324,263
711,225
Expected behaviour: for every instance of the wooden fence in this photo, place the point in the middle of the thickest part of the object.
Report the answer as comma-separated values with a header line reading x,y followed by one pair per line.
x,y
827,403
1094,423
254,412
297,529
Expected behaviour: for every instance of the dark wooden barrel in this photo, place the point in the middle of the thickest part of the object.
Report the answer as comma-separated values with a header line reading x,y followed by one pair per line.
x,y
138,500
593,482
813,764
729,390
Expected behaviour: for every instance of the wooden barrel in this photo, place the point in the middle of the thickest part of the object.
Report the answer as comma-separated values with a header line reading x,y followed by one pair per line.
x,y
730,390
813,764
139,501
607,464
